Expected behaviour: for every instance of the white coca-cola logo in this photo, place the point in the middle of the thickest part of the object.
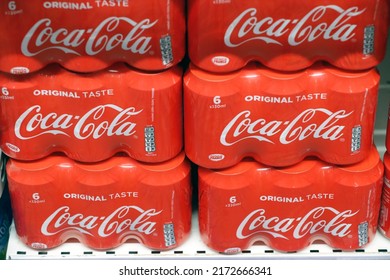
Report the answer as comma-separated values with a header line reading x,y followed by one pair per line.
x,y
247,27
104,38
313,222
93,124
125,218
242,127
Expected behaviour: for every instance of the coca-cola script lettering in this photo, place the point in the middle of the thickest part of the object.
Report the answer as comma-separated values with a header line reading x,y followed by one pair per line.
x,y
242,127
247,27
131,218
104,38
93,124
325,219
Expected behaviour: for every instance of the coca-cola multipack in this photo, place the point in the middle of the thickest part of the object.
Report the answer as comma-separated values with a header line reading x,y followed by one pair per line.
x,y
103,205
92,116
387,135
287,35
89,35
384,218
279,118
289,208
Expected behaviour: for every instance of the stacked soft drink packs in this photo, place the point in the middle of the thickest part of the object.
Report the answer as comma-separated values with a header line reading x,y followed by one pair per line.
x,y
91,118
279,108
103,204
287,35
289,208
384,217
279,118
86,36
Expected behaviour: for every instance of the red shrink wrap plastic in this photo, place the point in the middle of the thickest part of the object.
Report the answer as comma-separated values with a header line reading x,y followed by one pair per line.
x,y
90,117
287,35
387,137
289,208
102,205
384,219
279,118
89,35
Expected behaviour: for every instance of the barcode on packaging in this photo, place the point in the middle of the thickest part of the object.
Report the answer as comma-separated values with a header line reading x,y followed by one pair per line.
x,y
169,235
150,141
356,138
369,36
166,50
363,233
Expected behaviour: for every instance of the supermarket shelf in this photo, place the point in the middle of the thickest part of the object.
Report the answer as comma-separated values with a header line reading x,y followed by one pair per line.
x,y
193,248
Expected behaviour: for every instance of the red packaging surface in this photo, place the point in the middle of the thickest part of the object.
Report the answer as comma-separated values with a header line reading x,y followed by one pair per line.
x,y
279,118
102,205
287,35
387,138
89,35
289,208
90,117
384,218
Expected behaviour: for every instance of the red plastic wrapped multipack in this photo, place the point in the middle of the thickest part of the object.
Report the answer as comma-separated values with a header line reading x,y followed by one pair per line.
x,y
102,205
290,208
387,136
90,117
384,218
279,118
287,35
89,35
